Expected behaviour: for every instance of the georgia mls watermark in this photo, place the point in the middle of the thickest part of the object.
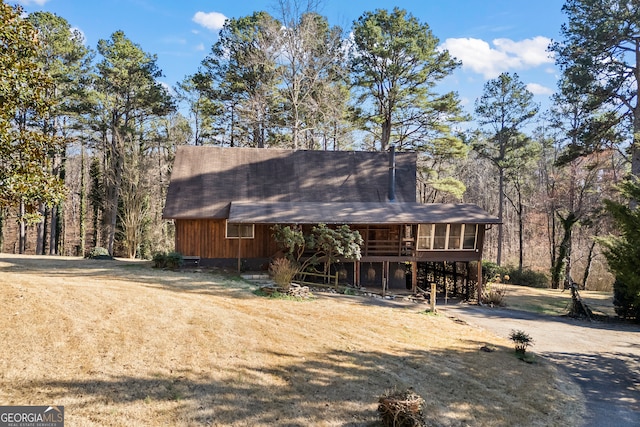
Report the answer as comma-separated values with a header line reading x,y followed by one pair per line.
x,y
31,416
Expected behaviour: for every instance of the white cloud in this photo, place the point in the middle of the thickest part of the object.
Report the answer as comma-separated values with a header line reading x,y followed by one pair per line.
x,y
538,89
200,47
30,2
174,40
505,55
213,21
77,32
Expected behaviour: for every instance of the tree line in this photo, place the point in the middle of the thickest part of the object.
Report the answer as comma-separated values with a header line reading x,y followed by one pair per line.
x,y
87,136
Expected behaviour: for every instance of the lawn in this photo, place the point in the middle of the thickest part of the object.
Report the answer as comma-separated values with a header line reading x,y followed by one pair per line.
x,y
555,301
120,343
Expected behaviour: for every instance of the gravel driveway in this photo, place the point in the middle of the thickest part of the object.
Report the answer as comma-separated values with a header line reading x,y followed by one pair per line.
x,y
603,358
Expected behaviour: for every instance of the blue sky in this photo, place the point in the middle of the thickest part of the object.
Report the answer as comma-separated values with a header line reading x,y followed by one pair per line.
x,y
488,36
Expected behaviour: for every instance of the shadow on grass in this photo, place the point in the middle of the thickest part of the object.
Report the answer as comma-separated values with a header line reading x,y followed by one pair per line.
x,y
137,272
336,388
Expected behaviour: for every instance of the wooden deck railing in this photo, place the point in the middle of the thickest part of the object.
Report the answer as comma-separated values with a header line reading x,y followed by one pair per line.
x,y
332,279
387,247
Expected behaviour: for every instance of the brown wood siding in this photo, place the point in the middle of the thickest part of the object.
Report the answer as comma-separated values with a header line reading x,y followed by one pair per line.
x,y
206,239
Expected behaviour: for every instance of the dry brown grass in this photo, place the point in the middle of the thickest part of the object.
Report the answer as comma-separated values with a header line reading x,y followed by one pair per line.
x,y
555,301
118,343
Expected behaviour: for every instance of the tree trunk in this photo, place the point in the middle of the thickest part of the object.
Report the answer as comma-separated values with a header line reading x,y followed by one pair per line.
x,y
113,190
568,280
635,145
296,127
233,126
386,134
57,217
22,240
40,231
564,251
551,228
113,209
83,203
54,231
257,140
59,239
2,218
500,215
589,263
520,232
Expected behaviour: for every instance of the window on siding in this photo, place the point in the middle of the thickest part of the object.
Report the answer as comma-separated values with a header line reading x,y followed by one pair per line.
x,y
235,231
470,233
425,234
440,236
450,237
455,236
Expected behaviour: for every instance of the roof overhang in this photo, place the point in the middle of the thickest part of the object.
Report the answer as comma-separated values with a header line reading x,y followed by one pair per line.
x,y
251,212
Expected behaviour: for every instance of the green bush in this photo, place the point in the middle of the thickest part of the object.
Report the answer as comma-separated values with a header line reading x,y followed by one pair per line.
x,y
159,260
99,253
491,271
626,301
174,260
171,260
623,252
528,277
522,340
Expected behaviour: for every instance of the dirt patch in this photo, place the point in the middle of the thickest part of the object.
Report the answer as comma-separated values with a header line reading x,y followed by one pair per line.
x,y
119,343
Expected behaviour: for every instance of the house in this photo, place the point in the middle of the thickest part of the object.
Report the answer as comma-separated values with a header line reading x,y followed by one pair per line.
x,y
225,201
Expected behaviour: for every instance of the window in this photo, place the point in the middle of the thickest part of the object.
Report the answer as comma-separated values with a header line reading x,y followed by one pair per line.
x,y
236,231
447,237
425,233
440,236
470,233
455,236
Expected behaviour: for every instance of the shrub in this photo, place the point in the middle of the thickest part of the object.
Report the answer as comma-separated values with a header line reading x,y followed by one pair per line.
x,y
174,260
528,277
491,271
159,260
522,340
171,260
626,301
493,294
282,271
99,253
623,252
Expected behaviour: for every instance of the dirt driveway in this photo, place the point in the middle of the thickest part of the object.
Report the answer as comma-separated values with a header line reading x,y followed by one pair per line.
x,y
603,358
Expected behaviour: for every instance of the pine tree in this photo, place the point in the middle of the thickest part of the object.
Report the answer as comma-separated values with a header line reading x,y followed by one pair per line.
x,y
623,252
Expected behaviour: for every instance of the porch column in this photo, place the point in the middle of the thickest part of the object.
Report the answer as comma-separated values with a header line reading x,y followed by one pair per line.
x,y
239,249
414,276
385,277
479,281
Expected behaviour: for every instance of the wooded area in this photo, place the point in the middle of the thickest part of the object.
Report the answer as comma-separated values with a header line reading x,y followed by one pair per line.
x,y
88,135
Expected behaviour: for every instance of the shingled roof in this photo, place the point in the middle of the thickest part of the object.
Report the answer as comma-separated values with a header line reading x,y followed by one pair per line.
x,y
358,213
250,185
205,180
